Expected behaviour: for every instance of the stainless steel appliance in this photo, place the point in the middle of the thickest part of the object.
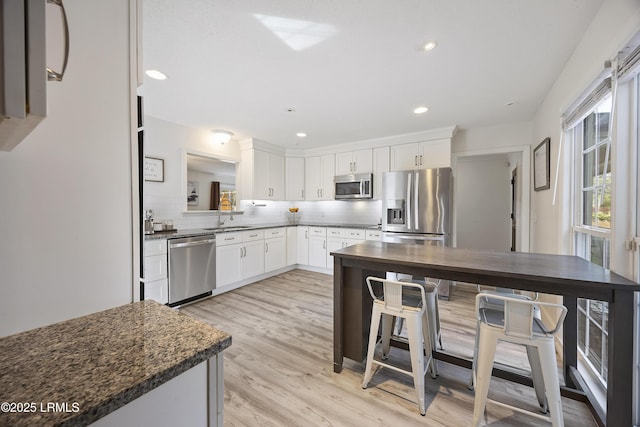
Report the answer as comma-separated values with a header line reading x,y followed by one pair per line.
x,y
353,187
416,208
192,268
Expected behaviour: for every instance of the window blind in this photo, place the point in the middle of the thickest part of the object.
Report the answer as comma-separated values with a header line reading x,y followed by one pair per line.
x,y
587,104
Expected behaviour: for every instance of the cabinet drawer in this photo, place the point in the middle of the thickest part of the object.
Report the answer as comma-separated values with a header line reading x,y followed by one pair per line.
x,y
157,290
250,236
155,247
354,233
223,239
272,233
155,267
374,235
317,231
335,232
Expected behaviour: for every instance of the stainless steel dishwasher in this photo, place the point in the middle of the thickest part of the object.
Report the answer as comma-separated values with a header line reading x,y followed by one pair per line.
x,y
192,268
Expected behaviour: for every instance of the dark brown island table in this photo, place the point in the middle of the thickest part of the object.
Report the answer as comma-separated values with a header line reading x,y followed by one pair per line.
x,y
569,276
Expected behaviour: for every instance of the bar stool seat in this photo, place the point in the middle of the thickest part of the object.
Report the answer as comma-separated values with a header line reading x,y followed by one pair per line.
x,y
397,302
518,324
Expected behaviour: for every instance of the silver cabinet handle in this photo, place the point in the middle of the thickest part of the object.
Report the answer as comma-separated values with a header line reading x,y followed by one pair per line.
x,y
324,244
420,159
266,247
51,74
302,194
306,234
415,161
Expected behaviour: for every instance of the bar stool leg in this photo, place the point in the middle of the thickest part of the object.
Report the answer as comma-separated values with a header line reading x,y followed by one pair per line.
x,y
547,354
474,364
414,330
387,329
487,343
373,338
428,344
537,377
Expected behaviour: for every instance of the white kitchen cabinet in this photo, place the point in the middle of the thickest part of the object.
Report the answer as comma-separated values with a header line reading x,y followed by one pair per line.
x,y
373,235
262,175
380,166
292,245
319,173
156,285
239,255
421,155
275,248
338,238
318,247
352,162
294,178
303,245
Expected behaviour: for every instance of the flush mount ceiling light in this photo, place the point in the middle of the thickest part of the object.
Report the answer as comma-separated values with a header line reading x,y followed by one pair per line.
x,y
155,74
430,45
421,110
301,134
221,136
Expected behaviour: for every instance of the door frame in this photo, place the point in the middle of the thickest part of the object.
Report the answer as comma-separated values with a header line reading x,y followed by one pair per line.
x,y
524,174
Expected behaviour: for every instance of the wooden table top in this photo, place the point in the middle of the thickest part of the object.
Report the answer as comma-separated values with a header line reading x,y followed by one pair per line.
x,y
542,270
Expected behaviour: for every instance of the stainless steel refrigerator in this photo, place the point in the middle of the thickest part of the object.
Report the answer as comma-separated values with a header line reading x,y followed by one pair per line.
x,y
416,209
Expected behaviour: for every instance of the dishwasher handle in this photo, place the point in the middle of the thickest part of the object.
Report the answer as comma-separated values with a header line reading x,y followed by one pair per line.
x,y
187,244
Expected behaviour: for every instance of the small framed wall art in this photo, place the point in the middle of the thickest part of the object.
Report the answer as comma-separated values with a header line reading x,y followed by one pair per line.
x,y
541,166
153,169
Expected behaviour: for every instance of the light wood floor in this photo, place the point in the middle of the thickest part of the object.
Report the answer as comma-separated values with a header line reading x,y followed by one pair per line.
x,y
279,368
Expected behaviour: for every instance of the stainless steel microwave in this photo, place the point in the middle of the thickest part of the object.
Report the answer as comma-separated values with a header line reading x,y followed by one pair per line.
x,y
349,187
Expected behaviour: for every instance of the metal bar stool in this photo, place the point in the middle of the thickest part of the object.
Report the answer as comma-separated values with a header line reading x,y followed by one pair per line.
x,y
394,303
518,324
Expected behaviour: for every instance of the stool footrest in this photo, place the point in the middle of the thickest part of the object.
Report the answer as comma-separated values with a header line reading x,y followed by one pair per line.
x,y
520,410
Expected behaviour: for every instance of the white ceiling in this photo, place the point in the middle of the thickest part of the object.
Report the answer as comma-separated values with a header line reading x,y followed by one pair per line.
x,y
365,73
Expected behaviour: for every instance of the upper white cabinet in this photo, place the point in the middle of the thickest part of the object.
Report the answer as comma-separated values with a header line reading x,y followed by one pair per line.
x,y
319,173
262,173
421,155
352,162
380,166
294,178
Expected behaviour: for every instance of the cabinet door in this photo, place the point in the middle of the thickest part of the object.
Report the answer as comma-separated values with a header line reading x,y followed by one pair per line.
x,y
344,163
303,245
380,166
261,187
292,245
158,290
228,264
404,157
253,260
312,178
275,253
294,178
318,251
155,267
276,177
333,245
327,172
435,154
363,161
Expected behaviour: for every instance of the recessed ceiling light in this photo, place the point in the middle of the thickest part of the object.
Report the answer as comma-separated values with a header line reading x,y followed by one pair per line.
x,y
430,45
421,110
155,74
301,134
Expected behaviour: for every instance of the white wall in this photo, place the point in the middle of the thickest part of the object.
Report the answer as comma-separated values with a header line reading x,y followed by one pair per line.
x,y
614,25
65,191
483,203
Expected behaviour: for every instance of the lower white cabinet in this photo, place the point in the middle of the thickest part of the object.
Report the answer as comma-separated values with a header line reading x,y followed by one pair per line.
x,y
292,245
238,256
373,235
156,285
338,238
275,249
318,247
302,242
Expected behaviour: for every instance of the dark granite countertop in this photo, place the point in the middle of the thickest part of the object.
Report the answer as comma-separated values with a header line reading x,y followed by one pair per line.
x,y
98,363
202,231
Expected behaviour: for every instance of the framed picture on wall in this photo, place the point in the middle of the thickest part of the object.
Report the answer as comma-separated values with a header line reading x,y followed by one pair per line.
x,y
193,195
153,169
541,166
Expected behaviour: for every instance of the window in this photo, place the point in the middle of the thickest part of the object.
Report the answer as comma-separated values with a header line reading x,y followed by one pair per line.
x,y
593,226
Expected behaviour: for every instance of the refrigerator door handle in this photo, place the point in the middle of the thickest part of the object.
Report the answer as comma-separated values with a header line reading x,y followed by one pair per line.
x,y
416,193
409,206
